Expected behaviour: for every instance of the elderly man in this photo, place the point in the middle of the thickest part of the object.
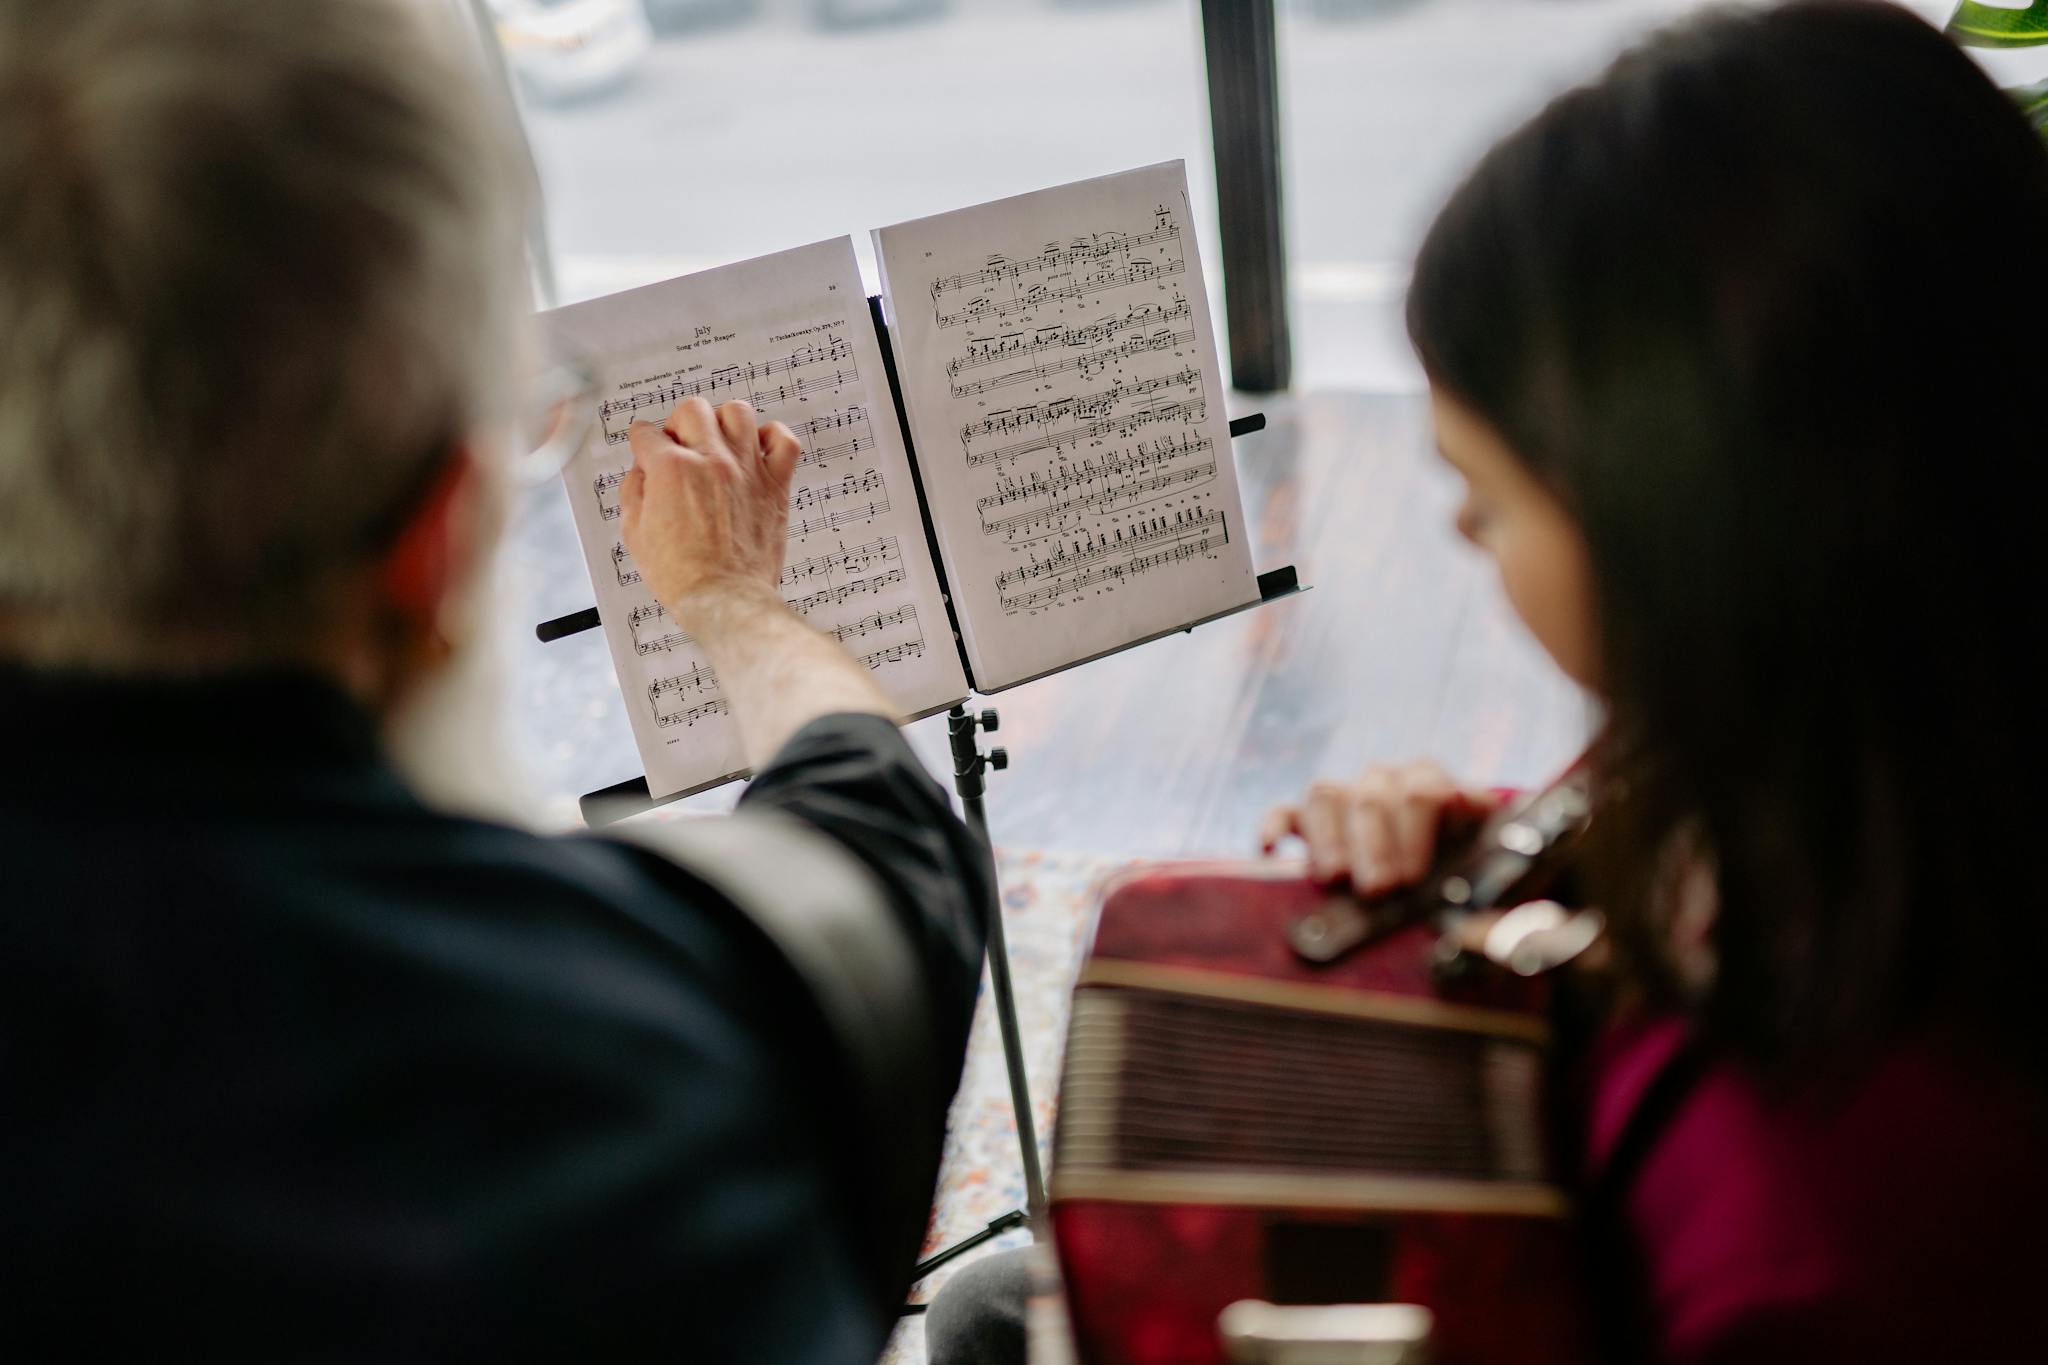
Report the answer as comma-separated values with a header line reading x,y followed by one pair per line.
x,y
293,1066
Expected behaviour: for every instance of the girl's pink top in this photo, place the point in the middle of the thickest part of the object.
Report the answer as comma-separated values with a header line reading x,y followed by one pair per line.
x,y
1900,1217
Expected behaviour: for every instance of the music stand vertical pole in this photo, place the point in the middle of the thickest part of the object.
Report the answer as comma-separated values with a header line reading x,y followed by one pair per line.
x,y
969,768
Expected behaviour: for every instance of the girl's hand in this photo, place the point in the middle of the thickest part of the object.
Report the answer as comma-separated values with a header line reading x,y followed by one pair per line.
x,y
1381,832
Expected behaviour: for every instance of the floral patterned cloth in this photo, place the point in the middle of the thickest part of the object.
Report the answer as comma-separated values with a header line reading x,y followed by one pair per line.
x,y
1049,902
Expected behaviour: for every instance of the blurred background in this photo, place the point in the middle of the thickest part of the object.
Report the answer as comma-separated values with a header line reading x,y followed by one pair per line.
x,y
673,135
810,118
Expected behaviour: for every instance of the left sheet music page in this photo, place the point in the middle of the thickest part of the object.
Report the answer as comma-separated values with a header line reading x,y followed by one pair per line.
x,y
791,334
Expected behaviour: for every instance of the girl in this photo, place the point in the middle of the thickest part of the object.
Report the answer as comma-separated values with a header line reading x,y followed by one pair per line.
x,y
1735,351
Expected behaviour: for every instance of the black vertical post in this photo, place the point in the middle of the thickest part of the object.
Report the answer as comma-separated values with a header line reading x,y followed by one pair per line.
x,y
1244,120
969,766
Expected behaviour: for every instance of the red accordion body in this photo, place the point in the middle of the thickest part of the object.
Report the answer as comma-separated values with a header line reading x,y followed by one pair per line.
x,y
1237,1123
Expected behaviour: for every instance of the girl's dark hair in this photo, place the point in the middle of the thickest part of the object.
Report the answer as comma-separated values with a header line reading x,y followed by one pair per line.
x,y
1763,307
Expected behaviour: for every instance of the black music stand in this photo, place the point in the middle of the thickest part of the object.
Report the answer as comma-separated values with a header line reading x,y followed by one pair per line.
x,y
970,769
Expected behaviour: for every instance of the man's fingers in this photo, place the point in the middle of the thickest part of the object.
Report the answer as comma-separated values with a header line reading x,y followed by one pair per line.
x,y
780,450
632,493
740,427
648,443
695,425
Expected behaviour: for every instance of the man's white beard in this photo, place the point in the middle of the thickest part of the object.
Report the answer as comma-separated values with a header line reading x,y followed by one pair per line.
x,y
450,738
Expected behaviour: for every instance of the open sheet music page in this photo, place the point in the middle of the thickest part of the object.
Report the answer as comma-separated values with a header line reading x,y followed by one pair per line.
x,y
1059,368
792,334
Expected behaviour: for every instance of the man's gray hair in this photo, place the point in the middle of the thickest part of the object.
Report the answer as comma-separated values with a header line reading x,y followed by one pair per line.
x,y
260,272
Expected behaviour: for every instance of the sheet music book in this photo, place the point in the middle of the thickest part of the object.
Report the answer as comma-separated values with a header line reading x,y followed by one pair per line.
x,y
1058,368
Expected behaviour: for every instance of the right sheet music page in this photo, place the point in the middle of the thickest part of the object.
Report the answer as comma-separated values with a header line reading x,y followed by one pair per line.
x,y
1058,365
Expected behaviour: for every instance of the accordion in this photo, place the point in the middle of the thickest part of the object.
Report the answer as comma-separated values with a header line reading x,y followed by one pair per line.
x,y
1274,1095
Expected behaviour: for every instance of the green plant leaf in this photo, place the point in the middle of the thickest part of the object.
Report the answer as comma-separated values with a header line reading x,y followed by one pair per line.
x,y
1975,25
2033,101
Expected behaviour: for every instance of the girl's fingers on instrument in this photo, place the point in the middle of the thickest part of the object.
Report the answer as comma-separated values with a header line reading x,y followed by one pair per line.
x,y
1424,794
1372,845
1321,825
1280,822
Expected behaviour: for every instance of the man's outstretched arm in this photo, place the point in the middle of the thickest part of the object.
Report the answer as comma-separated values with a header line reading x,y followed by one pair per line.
x,y
706,516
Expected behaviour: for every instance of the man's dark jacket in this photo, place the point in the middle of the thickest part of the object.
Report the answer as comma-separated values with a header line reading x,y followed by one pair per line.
x,y
294,1068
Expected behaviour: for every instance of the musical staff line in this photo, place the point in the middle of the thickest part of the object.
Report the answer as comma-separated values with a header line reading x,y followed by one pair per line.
x,y
856,560
875,624
1133,494
1142,458
615,415
668,640
698,679
690,715
832,521
672,638
1140,271
853,420
894,654
1109,570
839,595
852,486
1099,246
1095,548
1189,412
1088,364
1001,350
1080,406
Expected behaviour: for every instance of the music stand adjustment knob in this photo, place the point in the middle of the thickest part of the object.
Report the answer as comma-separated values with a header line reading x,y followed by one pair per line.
x,y
990,720
999,759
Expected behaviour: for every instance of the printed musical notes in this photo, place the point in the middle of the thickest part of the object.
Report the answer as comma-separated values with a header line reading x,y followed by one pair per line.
x,y
792,335
1054,275
834,436
1014,346
1059,369
1127,550
1117,571
875,624
1070,496
690,715
846,592
817,368
844,516
858,559
822,495
895,654
654,632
